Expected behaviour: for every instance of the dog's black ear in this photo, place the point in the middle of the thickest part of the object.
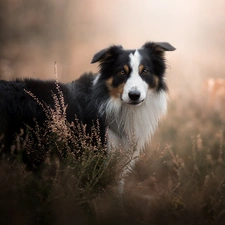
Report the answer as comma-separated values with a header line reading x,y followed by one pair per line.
x,y
106,54
165,46
159,47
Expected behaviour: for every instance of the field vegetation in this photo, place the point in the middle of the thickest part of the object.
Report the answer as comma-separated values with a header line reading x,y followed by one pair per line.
x,y
180,179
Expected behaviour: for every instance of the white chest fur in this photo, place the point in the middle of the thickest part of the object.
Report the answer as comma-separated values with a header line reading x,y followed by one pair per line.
x,y
130,125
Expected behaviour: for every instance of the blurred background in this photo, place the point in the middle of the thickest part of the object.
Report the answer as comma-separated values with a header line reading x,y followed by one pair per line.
x,y
187,159
35,34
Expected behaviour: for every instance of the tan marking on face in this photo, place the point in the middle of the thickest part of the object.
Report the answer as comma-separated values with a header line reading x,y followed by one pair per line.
x,y
115,92
140,68
126,68
155,83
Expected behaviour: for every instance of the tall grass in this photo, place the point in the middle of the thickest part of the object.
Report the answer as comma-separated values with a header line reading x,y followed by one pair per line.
x,y
180,179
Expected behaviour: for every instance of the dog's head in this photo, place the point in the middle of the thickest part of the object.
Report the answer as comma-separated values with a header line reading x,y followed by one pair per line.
x,y
130,74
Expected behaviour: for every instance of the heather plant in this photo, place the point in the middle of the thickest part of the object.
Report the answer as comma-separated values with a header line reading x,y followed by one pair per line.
x,y
179,180
68,146
54,162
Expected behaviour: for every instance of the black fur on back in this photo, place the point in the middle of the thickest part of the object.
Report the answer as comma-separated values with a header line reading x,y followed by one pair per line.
x,y
18,109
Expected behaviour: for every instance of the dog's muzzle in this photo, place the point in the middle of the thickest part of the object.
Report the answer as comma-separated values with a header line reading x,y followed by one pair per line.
x,y
134,97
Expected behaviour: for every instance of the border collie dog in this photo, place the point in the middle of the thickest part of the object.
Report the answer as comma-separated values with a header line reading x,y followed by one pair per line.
x,y
128,96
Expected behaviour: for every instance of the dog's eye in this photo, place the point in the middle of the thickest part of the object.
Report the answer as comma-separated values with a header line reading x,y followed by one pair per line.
x,y
121,72
145,71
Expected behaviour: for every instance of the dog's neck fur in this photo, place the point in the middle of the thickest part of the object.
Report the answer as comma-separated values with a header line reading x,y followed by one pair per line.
x,y
132,126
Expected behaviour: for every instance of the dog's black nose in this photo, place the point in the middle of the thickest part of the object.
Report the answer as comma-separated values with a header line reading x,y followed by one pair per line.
x,y
134,95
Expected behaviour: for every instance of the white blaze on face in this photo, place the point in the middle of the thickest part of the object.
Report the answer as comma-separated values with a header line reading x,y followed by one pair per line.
x,y
135,82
